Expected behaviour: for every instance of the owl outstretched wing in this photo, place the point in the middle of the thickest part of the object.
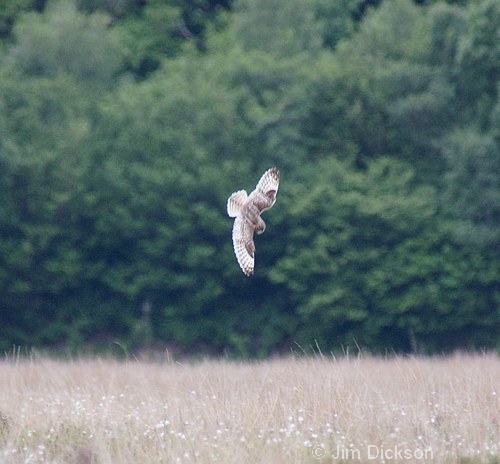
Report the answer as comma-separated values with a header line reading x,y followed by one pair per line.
x,y
264,195
243,244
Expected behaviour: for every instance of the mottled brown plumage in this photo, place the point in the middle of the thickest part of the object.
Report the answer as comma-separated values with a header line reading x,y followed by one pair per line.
x,y
246,209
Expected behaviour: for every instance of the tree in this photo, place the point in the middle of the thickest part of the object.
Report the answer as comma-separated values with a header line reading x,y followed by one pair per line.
x,y
124,127
64,41
9,10
338,19
478,60
281,28
149,36
42,124
471,185
368,260
157,193
447,24
48,93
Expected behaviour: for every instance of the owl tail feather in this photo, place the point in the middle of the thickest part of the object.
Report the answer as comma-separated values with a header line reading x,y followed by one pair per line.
x,y
236,202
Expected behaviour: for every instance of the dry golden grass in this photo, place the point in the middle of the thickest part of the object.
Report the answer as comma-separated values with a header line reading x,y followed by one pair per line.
x,y
291,410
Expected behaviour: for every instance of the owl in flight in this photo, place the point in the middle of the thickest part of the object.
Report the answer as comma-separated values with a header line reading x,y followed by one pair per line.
x,y
246,210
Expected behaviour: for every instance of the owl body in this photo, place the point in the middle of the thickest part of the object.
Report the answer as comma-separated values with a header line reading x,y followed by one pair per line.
x,y
251,214
246,209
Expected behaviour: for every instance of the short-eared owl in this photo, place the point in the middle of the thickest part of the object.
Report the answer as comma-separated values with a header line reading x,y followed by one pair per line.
x,y
246,210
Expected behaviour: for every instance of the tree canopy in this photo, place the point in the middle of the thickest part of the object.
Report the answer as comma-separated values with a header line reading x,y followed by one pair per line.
x,y
125,126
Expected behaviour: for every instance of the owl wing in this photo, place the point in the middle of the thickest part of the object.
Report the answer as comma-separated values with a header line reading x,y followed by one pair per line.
x,y
269,181
236,202
243,245
264,195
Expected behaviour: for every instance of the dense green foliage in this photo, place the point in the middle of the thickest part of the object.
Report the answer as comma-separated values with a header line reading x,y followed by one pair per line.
x,y
124,128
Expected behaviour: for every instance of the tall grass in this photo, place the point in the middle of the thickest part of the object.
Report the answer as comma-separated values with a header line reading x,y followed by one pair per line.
x,y
293,410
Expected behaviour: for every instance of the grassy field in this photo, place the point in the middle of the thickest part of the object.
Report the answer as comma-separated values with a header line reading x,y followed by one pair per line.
x,y
293,410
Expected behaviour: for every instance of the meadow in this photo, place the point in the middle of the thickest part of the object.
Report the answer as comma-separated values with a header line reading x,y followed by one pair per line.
x,y
286,410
